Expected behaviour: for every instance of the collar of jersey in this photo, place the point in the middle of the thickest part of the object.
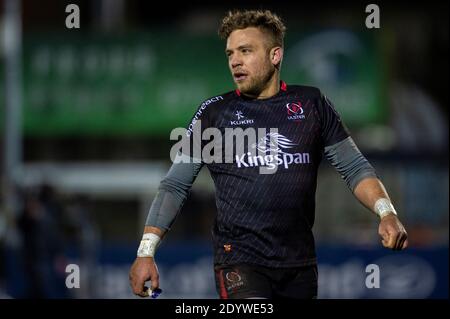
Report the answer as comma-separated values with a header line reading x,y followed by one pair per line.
x,y
283,88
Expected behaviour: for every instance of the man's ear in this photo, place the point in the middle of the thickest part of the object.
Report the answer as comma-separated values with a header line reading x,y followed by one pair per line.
x,y
276,55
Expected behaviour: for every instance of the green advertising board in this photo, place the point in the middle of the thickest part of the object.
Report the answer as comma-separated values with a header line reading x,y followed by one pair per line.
x,y
149,83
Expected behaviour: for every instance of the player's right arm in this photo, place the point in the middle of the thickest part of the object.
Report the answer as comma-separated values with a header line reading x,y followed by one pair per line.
x,y
172,193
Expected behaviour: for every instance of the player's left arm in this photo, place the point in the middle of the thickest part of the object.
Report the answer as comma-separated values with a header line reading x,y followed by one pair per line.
x,y
363,181
372,194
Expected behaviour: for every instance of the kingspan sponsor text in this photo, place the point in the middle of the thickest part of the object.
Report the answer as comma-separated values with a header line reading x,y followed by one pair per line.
x,y
271,161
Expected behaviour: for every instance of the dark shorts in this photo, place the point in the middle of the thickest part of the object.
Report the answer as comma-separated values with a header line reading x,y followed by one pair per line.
x,y
253,281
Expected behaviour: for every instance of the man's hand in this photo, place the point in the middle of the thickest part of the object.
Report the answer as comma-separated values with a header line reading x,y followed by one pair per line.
x,y
393,233
142,270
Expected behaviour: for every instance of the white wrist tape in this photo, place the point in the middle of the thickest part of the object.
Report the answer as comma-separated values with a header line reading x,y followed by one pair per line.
x,y
148,245
383,207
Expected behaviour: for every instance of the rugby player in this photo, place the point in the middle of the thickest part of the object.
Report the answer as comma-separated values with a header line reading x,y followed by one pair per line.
x,y
262,234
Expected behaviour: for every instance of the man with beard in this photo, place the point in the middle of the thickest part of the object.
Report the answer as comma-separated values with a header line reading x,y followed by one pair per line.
x,y
263,240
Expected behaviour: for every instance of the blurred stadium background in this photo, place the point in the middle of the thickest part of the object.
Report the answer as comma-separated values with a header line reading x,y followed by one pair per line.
x,y
86,116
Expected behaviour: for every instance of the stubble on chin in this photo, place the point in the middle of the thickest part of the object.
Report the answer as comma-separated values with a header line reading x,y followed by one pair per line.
x,y
250,87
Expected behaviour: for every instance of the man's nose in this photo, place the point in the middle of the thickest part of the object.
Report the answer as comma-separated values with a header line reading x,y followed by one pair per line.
x,y
235,61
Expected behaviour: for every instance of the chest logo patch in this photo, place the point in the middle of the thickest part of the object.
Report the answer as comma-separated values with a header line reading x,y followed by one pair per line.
x,y
295,111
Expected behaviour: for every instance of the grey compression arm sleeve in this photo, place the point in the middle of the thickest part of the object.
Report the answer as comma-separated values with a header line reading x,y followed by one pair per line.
x,y
172,193
349,162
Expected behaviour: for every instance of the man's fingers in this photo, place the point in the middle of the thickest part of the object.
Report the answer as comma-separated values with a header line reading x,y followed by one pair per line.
x,y
393,234
142,292
403,238
390,240
138,286
155,282
142,271
398,240
405,243
145,292
395,240
384,237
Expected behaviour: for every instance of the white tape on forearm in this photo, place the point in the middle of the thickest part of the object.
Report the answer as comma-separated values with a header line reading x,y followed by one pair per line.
x,y
148,245
383,207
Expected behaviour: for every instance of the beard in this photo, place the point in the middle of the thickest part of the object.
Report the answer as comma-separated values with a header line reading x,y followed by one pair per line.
x,y
254,85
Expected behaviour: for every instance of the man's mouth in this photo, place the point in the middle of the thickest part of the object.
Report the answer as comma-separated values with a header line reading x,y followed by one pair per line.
x,y
239,76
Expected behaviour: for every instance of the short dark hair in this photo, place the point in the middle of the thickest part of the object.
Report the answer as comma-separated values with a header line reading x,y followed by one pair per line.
x,y
264,20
